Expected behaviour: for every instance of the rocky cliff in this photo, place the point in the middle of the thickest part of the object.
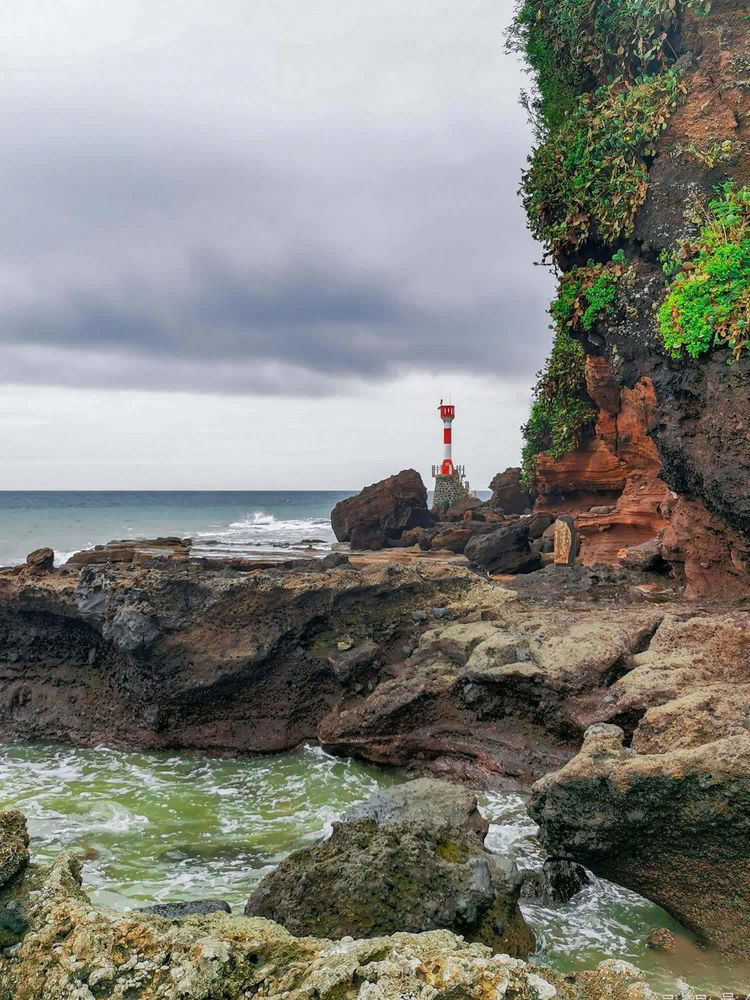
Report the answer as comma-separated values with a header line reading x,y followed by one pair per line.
x,y
637,189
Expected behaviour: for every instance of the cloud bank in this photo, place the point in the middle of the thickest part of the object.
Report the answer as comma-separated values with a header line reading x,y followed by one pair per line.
x,y
248,197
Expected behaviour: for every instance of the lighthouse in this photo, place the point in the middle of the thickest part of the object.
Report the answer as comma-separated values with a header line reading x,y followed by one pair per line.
x,y
450,485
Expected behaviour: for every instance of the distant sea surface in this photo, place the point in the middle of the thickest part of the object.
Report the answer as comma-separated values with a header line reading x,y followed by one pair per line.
x,y
220,523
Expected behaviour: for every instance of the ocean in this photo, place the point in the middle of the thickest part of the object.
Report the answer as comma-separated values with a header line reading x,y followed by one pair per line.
x,y
240,523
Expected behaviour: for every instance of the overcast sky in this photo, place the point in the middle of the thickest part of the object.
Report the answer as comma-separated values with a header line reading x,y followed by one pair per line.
x,y
250,243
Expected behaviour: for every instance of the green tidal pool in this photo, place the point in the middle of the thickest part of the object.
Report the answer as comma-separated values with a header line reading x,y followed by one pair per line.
x,y
162,827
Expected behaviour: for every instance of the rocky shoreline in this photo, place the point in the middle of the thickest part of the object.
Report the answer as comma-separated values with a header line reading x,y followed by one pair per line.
x,y
67,949
629,712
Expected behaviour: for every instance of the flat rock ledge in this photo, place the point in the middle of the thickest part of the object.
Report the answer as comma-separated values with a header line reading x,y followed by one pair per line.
x,y
70,950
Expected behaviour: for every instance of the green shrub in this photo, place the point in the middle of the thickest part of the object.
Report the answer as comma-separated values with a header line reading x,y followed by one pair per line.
x,y
589,179
708,303
562,412
585,42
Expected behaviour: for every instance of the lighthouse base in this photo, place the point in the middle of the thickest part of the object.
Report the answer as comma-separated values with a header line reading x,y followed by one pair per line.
x,y
449,490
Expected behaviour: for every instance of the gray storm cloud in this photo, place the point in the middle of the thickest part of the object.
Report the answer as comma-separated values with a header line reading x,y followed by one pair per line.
x,y
200,242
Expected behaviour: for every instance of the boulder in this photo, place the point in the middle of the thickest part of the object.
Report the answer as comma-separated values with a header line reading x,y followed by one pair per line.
x,y
458,510
41,559
381,511
646,556
455,536
675,827
557,882
411,859
508,493
419,536
504,550
538,523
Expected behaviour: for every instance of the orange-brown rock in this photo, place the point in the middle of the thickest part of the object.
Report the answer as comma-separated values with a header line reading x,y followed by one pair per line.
x,y
637,517
714,560
618,467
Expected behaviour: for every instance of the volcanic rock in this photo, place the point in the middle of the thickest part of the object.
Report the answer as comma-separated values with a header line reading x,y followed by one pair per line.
x,y
381,511
646,556
504,550
557,882
14,845
674,827
457,511
178,911
455,537
508,493
186,655
538,523
413,860
496,699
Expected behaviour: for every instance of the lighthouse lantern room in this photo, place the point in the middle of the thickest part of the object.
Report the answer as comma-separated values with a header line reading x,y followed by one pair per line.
x,y
450,484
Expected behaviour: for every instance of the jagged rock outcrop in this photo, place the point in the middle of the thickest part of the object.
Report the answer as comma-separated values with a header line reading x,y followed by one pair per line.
x,y
382,511
498,696
674,826
70,950
410,859
181,654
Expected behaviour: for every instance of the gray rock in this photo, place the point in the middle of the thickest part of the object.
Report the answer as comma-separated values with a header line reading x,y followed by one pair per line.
x,y
646,556
410,859
538,524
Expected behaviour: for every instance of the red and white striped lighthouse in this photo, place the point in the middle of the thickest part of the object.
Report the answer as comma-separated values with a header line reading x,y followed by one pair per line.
x,y
450,485
447,413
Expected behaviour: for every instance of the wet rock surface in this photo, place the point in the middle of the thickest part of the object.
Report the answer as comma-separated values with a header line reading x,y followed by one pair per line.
x,y
71,951
412,859
178,911
674,827
558,882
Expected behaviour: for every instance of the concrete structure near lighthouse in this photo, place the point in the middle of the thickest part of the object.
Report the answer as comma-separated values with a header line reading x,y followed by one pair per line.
x,y
450,484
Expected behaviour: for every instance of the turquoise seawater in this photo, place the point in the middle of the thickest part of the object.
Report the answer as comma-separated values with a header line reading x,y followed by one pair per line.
x,y
166,827
236,523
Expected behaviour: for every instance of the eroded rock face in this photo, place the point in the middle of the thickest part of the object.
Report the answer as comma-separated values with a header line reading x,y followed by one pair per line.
x,y
496,700
175,654
382,511
674,827
680,425
411,859
72,951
